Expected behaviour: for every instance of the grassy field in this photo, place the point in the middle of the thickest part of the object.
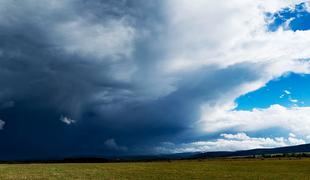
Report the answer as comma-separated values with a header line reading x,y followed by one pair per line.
x,y
206,169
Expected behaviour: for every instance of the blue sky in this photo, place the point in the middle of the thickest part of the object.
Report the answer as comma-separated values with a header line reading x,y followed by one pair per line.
x,y
145,77
296,19
284,91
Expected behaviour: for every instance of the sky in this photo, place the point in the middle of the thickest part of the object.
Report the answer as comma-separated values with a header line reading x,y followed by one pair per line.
x,y
128,77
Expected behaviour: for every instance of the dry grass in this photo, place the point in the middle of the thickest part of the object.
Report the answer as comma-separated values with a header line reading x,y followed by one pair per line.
x,y
206,169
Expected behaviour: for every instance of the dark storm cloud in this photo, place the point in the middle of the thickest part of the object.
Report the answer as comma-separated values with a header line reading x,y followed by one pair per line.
x,y
58,59
95,62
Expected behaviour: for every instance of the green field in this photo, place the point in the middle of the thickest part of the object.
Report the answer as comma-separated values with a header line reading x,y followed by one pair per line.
x,y
206,169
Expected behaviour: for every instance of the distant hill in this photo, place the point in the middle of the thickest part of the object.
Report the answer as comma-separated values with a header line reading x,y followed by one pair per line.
x,y
305,148
281,151
252,152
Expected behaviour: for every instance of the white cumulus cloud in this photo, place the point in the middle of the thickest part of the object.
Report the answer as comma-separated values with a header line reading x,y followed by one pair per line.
x,y
230,142
293,119
224,34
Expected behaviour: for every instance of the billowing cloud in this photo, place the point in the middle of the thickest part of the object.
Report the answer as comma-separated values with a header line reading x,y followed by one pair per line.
x,y
294,119
138,71
230,142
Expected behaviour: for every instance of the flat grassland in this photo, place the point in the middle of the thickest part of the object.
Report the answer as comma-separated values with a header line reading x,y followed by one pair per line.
x,y
194,169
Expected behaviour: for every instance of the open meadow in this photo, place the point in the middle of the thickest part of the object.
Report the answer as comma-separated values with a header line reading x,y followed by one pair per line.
x,y
194,169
